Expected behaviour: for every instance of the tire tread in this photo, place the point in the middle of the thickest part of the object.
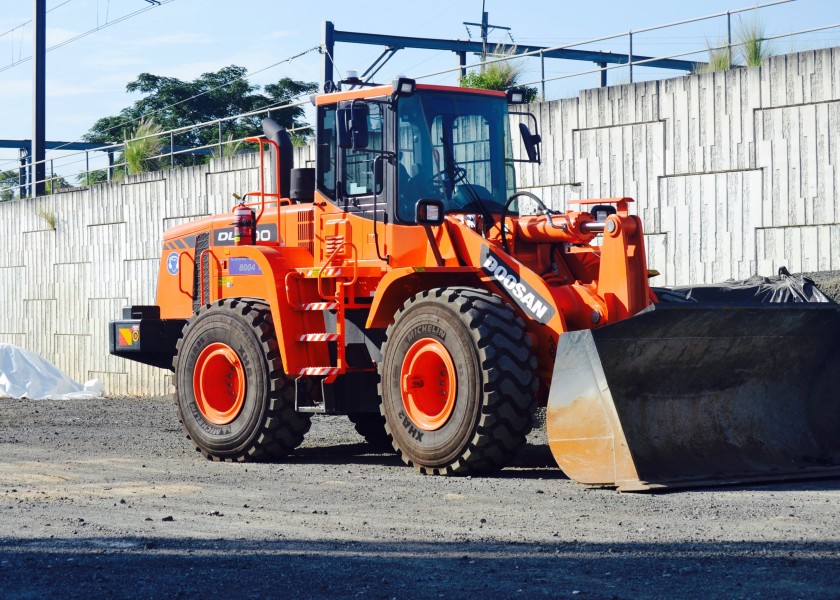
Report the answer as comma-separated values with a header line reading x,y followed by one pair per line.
x,y
282,428
508,364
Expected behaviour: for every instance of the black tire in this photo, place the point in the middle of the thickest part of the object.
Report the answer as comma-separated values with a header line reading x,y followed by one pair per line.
x,y
266,426
495,374
371,426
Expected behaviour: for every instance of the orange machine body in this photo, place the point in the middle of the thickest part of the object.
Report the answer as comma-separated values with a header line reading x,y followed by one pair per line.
x,y
315,252
319,252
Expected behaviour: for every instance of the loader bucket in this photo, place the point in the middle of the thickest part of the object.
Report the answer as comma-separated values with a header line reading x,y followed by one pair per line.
x,y
688,395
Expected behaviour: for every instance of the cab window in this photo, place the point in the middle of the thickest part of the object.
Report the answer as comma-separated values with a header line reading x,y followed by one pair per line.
x,y
325,172
358,164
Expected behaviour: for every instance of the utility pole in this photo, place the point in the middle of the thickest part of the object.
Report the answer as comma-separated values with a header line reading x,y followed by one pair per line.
x,y
39,135
485,29
327,52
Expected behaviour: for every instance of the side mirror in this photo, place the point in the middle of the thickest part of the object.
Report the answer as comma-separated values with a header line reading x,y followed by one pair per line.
x,y
517,95
352,120
429,212
532,143
378,173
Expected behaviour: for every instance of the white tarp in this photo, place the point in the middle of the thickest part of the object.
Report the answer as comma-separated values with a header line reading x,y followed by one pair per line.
x,y
24,374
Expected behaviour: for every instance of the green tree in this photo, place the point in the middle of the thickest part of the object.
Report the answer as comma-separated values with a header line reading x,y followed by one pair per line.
x,y
8,185
225,93
94,177
55,184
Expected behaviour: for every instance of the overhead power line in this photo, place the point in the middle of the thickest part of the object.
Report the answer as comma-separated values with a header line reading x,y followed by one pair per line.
x,y
25,23
289,103
88,32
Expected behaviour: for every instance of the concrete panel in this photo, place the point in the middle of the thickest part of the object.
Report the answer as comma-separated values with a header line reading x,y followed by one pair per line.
x,y
73,285
799,157
73,355
12,314
809,248
623,161
711,234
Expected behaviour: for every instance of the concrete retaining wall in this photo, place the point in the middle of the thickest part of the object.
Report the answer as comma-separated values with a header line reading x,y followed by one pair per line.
x,y
734,173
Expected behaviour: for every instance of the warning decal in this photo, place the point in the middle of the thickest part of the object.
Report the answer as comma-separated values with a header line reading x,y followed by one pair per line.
x,y
128,336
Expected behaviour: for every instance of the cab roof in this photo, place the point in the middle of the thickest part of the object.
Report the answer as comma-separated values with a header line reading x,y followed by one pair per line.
x,y
386,90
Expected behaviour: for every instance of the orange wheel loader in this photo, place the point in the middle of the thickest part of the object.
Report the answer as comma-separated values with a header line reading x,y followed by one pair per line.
x,y
405,283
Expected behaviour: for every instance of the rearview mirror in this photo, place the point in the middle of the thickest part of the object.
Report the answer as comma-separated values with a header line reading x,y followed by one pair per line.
x,y
428,212
353,125
532,143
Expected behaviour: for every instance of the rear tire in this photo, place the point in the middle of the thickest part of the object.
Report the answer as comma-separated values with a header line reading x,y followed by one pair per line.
x,y
458,382
234,400
371,426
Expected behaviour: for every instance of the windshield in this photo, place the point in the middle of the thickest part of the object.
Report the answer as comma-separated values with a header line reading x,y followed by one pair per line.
x,y
454,147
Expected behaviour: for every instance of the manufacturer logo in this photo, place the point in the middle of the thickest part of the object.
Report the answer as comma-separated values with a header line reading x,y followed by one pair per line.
x,y
426,330
172,263
225,237
410,428
518,290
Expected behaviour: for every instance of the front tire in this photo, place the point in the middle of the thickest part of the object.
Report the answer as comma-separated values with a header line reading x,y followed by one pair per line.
x,y
234,400
457,382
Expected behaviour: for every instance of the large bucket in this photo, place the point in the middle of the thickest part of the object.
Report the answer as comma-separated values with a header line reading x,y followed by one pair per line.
x,y
687,394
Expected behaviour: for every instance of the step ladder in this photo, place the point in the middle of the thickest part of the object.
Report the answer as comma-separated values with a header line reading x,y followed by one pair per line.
x,y
344,278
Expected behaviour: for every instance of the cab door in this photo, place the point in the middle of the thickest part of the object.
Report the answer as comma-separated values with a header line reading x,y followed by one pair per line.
x,y
360,201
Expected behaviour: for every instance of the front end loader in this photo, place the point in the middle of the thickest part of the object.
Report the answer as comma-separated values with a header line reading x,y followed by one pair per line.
x,y
405,283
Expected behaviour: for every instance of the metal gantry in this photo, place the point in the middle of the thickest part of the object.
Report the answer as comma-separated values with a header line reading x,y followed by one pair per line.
x,y
393,43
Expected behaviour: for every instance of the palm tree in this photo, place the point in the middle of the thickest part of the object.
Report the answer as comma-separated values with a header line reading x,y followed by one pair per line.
x,y
139,152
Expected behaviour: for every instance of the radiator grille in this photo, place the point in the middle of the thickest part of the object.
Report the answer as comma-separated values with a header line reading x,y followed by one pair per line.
x,y
202,243
306,230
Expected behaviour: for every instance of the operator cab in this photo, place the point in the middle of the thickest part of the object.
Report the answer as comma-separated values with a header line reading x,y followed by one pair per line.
x,y
382,149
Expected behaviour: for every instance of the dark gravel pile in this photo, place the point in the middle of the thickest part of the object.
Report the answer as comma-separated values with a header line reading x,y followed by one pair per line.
x,y
828,282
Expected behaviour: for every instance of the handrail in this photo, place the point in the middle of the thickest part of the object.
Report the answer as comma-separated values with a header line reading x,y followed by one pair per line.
x,y
286,282
261,192
181,255
681,54
354,253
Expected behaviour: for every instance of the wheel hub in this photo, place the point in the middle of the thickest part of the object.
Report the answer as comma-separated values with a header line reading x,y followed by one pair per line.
x,y
219,383
428,384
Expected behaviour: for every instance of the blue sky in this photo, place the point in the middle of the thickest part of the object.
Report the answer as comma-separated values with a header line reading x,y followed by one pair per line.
x,y
86,78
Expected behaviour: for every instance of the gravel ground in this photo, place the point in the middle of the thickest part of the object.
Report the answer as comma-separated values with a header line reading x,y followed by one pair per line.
x,y
106,498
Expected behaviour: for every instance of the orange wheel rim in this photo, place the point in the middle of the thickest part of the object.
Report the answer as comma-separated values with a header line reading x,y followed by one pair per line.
x,y
428,384
219,383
